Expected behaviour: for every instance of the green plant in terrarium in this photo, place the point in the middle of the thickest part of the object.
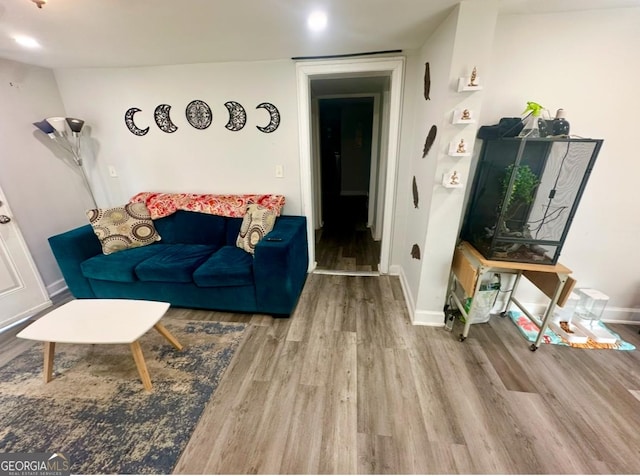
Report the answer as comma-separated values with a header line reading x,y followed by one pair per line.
x,y
523,190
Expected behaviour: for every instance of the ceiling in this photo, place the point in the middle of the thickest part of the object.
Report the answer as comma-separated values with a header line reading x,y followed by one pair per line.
x,y
126,33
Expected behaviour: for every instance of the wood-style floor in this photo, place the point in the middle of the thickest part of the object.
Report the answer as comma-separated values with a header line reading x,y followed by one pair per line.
x,y
347,385
345,243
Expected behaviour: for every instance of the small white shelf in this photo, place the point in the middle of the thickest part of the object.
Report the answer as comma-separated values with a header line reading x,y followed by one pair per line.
x,y
462,117
463,85
455,149
452,179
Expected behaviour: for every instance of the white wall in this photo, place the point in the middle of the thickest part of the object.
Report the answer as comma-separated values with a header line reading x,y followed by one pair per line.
x,y
213,160
45,195
461,42
588,64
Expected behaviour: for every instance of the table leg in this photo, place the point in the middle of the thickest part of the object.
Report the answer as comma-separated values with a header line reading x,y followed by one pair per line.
x,y
49,349
467,324
141,364
167,335
549,312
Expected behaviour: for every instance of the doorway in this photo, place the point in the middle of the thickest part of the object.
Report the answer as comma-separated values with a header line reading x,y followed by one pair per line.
x,y
344,240
381,202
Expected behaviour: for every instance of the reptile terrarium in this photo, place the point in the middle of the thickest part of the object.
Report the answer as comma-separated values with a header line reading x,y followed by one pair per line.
x,y
525,194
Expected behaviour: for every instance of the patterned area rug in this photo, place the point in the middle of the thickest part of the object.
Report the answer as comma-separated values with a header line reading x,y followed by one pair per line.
x,y
96,412
530,331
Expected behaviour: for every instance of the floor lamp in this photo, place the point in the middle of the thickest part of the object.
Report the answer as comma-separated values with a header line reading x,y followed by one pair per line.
x,y
56,129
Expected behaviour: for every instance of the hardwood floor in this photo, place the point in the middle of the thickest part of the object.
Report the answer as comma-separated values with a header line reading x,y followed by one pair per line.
x,y
345,243
347,385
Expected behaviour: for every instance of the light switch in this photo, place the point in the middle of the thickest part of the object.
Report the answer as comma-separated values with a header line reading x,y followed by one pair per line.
x,y
279,171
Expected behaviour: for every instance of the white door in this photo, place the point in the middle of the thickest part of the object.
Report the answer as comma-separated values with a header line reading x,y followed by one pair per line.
x,y
22,292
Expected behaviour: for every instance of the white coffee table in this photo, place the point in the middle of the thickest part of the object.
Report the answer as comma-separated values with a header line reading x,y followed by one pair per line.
x,y
100,321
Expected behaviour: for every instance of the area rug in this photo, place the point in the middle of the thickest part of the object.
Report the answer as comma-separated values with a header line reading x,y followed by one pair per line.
x,y
95,410
530,331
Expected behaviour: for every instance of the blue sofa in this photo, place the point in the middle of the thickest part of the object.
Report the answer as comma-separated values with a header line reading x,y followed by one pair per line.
x,y
196,264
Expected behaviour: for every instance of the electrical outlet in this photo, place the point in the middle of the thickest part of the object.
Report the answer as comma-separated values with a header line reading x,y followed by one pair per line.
x,y
279,171
112,171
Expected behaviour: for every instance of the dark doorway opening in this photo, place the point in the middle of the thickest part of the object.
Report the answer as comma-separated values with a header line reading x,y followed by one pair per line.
x,y
344,243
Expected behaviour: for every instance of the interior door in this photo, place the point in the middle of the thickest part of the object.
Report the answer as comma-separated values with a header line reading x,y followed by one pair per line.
x,y
22,292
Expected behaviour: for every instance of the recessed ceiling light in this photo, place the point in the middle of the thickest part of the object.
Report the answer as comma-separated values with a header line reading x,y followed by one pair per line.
x,y
317,21
27,42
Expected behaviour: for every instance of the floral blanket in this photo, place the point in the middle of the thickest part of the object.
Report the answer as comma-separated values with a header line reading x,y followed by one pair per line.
x,y
163,204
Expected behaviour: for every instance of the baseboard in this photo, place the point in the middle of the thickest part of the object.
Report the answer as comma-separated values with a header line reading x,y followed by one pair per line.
x,y
397,270
56,287
418,317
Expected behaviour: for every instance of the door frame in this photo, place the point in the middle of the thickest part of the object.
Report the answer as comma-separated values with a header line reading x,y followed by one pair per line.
x,y
305,72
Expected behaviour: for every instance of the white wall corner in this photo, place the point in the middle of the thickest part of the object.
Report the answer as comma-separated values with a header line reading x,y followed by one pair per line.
x,y
397,270
56,287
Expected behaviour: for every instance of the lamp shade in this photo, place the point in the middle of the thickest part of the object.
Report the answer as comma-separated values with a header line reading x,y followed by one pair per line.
x,y
75,124
44,126
58,123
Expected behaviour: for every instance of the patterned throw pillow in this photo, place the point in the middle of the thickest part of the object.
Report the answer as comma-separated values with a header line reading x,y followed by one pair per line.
x,y
121,228
257,222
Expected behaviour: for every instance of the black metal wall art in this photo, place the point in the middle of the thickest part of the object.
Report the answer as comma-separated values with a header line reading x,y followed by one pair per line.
x,y
199,114
274,114
128,120
415,251
162,115
427,81
237,116
415,192
431,138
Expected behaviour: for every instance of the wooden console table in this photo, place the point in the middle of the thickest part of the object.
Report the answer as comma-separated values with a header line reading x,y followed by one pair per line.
x,y
469,266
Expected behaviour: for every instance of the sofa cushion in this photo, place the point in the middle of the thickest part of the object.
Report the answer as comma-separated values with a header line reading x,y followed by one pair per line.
x,y
174,264
118,266
229,266
257,222
192,228
121,228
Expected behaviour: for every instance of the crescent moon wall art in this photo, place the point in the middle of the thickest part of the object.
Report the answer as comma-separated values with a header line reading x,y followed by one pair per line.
x,y
163,119
415,251
273,113
131,125
431,138
237,116
415,192
427,82
199,114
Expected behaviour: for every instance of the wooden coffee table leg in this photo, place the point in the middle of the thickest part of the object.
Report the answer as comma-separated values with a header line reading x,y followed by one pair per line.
x,y
49,349
142,365
167,335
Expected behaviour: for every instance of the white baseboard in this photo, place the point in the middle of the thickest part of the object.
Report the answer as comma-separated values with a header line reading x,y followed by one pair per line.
x,y
613,315
429,318
418,317
56,287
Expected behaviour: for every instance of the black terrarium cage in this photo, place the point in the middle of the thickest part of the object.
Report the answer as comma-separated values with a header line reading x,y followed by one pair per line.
x,y
524,196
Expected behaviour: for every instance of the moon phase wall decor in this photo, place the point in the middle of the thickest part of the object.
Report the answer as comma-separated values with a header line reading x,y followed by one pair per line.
x,y
415,192
199,114
415,251
274,114
427,82
163,119
237,116
131,125
431,138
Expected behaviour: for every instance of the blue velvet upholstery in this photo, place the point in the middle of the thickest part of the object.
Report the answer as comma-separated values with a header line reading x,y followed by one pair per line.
x,y
195,265
229,266
174,264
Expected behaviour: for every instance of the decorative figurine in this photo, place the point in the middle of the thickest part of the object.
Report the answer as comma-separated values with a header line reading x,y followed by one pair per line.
x,y
473,78
466,115
454,178
461,147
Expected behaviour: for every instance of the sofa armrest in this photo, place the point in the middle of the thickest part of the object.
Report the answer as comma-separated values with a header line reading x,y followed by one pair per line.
x,y
70,249
280,265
